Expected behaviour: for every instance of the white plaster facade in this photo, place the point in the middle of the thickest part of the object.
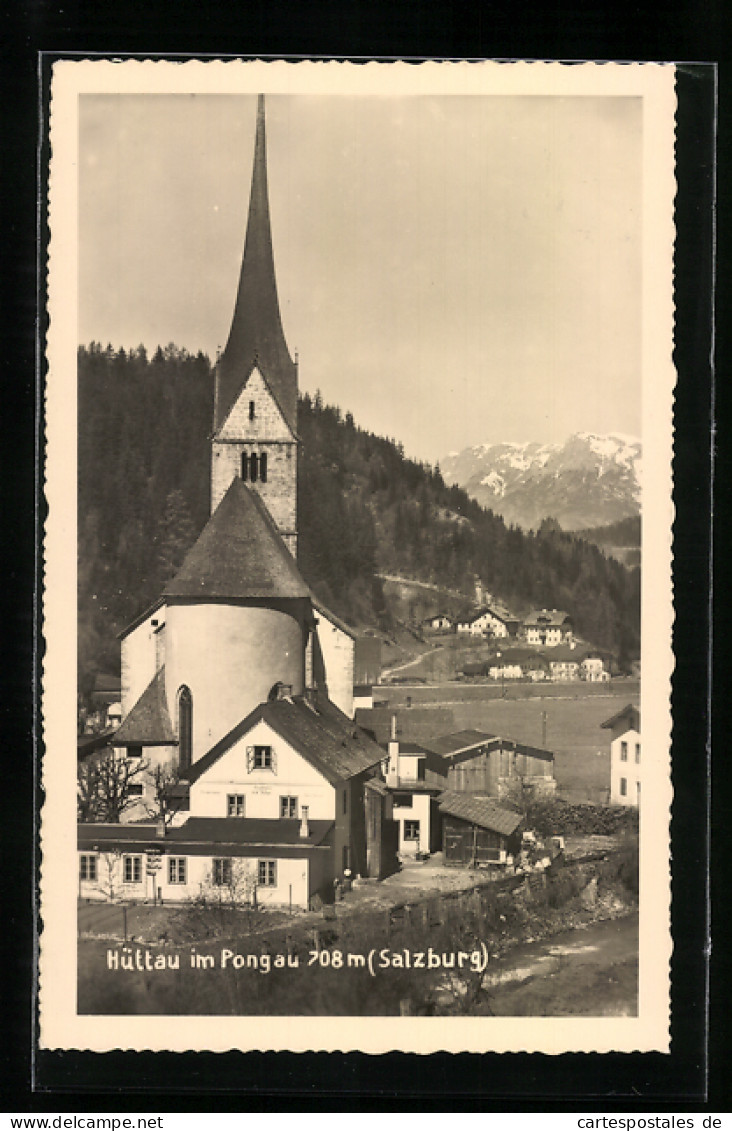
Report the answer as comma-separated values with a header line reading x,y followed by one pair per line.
x,y
292,776
229,656
625,768
296,878
141,656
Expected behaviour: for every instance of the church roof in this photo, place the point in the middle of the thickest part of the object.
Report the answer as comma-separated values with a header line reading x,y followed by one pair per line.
x,y
326,738
256,333
148,723
239,554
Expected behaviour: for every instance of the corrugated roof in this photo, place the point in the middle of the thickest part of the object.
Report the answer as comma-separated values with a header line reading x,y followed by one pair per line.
x,y
480,811
239,554
256,334
326,738
630,712
148,723
449,744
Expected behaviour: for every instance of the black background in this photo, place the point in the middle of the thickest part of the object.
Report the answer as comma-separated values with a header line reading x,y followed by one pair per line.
x,y
692,1077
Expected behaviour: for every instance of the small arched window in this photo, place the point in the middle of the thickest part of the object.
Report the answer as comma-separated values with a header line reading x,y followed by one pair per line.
x,y
263,467
185,727
244,466
253,467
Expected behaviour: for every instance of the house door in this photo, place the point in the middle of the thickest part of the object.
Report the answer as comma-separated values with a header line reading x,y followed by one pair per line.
x,y
453,848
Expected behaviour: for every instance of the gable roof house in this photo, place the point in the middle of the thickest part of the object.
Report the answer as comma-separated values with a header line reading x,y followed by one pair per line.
x,y
237,681
546,627
625,756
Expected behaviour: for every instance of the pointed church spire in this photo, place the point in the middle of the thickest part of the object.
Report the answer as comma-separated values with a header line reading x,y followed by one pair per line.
x,y
256,333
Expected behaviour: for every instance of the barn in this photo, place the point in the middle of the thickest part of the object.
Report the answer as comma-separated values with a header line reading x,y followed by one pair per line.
x,y
477,831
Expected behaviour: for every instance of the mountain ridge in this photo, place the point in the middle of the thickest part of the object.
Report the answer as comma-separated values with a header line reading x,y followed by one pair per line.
x,y
589,480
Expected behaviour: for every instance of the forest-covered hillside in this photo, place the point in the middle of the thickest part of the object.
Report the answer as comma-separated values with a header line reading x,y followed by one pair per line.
x,y
364,508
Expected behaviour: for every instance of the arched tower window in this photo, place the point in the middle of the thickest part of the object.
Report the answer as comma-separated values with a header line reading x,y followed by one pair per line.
x,y
185,727
253,467
244,466
251,410
263,467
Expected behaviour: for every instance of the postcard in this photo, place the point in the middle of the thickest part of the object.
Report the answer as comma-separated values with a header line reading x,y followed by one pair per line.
x,y
358,471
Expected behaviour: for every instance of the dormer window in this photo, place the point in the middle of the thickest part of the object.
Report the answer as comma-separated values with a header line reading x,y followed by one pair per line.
x,y
251,410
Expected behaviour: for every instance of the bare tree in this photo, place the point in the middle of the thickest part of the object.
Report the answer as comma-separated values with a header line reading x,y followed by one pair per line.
x,y
104,786
164,803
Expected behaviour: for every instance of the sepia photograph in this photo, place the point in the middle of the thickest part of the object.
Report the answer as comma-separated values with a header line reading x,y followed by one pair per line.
x,y
359,478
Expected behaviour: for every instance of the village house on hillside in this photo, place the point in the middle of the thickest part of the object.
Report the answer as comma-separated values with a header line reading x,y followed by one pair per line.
x,y
237,685
625,756
487,621
546,627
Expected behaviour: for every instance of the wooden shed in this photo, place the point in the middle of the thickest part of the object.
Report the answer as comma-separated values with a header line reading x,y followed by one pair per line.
x,y
477,831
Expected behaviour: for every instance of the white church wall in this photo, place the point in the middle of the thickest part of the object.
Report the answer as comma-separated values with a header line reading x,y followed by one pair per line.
x,y
140,658
229,656
338,651
292,776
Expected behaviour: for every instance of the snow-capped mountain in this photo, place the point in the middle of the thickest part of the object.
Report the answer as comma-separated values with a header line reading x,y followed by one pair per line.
x,y
589,480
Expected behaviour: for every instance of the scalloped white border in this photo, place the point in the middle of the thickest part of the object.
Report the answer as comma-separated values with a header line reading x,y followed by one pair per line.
x,y
60,1026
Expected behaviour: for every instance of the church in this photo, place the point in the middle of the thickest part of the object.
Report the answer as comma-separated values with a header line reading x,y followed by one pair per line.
x,y
237,684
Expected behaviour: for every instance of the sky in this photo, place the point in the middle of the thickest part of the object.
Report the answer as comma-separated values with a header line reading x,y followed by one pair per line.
x,y
451,269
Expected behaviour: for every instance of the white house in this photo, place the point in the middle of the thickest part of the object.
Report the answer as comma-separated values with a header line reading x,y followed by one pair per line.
x,y
625,756
415,777
592,669
547,627
484,622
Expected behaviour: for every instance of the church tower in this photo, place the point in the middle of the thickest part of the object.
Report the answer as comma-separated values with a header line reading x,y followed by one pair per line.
x,y
255,400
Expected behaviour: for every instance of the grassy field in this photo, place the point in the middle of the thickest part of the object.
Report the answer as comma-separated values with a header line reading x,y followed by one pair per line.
x,y
564,718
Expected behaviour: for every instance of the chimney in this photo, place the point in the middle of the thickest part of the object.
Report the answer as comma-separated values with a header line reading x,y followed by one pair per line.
x,y
304,823
392,772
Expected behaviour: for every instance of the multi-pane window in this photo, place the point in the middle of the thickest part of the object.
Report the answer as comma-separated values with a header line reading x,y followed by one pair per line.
x,y
623,787
411,830
260,758
176,869
267,873
637,752
88,868
132,869
623,751
235,805
288,807
221,872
